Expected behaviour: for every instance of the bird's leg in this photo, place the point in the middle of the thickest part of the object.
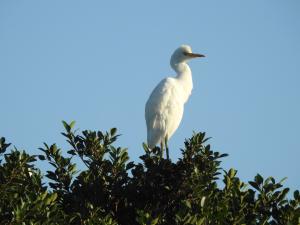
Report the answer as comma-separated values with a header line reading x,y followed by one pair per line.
x,y
161,149
167,148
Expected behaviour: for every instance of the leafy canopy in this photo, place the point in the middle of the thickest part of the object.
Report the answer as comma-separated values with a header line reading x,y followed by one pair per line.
x,y
112,190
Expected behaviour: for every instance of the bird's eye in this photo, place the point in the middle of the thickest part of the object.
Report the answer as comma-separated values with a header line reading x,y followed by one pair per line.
x,y
185,53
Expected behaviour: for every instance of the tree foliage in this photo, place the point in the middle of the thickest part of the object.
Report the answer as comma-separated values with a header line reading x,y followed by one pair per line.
x,y
113,190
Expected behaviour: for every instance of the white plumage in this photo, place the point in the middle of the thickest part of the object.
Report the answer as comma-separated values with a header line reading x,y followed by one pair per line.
x,y
165,106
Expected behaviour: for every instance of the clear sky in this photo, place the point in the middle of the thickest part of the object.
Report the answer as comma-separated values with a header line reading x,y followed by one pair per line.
x,y
96,62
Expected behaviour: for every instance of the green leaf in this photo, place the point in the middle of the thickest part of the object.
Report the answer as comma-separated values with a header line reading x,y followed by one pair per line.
x,y
66,126
41,157
72,124
296,194
53,197
232,173
258,179
202,201
113,131
50,199
146,148
282,180
154,221
223,155
283,194
187,203
71,152
255,185
130,165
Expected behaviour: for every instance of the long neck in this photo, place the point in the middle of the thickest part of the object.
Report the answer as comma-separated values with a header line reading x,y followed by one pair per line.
x,y
184,76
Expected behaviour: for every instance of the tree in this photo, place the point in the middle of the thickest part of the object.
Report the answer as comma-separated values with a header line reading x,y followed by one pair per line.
x,y
112,190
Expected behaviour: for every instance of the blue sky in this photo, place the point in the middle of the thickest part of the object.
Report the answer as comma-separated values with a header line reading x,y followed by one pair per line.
x,y
96,62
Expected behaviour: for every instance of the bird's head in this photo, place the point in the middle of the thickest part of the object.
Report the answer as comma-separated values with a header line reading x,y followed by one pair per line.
x,y
183,54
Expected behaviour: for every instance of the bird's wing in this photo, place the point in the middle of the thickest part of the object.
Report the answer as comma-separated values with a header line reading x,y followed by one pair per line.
x,y
164,110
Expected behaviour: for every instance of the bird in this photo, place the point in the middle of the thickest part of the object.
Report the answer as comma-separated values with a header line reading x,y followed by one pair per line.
x,y
165,105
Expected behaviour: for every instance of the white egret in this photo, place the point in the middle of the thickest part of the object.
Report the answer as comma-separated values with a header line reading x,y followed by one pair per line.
x,y
164,108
